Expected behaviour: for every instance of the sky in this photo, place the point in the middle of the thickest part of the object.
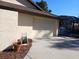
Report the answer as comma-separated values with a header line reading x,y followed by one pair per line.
x,y
63,7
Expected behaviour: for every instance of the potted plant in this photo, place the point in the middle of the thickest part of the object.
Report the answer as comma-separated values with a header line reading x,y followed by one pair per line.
x,y
16,45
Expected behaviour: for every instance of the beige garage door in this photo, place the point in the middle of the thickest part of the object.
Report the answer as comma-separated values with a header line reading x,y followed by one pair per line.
x,y
43,28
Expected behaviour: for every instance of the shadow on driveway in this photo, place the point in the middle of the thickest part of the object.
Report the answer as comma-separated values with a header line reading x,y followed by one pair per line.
x,y
62,43
66,44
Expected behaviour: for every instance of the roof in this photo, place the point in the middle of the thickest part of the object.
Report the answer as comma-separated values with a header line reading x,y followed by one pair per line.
x,y
19,8
35,5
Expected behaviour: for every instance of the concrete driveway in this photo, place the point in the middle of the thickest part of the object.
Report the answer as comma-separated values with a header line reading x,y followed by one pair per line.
x,y
54,48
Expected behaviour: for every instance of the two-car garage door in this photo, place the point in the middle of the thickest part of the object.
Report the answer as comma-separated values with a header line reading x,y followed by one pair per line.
x,y
44,27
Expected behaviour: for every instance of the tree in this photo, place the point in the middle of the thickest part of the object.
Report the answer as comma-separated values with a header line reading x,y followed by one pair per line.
x,y
43,4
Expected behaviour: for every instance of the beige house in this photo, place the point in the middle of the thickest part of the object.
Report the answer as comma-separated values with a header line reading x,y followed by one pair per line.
x,y
24,16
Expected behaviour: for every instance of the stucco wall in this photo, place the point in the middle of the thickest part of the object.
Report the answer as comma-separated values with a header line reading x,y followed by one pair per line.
x,y
25,23
8,28
21,2
13,25
36,27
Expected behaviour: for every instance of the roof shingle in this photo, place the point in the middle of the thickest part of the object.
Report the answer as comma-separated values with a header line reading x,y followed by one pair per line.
x,y
15,7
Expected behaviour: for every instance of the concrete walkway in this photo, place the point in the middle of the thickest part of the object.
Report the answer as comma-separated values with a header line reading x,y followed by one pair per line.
x,y
54,48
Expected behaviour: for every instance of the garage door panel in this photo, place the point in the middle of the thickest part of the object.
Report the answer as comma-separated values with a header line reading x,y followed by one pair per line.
x,y
43,28
42,25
